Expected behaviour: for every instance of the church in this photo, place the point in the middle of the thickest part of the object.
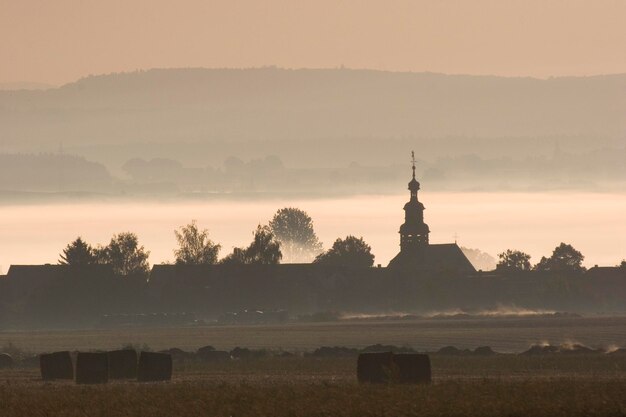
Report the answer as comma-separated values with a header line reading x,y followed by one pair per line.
x,y
416,252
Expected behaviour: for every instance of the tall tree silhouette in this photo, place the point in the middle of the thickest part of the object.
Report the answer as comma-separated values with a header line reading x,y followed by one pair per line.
x,y
293,228
351,251
513,260
125,255
78,252
194,246
264,250
564,258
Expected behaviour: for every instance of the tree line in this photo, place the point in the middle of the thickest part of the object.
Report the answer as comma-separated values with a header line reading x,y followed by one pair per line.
x,y
289,236
564,258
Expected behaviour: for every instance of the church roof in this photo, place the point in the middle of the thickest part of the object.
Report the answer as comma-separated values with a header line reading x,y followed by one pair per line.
x,y
438,257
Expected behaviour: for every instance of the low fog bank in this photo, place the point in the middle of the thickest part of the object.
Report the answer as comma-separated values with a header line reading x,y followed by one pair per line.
x,y
593,170
484,223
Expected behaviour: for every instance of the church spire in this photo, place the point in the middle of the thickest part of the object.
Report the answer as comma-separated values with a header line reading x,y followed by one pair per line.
x,y
414,232
414,185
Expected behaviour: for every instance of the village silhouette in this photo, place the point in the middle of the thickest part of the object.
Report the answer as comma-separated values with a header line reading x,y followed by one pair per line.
x,y
115,286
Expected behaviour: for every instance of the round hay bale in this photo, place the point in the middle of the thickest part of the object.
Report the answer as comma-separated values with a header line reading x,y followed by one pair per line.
x,y
6,361
450,350
178,354
214,356
577,348
541,350
484,351
334,352
205,349
30,362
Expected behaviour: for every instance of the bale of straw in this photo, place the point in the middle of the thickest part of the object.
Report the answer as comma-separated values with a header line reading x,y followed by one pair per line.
x,y
412,368
375,367
213,355
57,365
92,368
122,364
6,361
178,354
29,362
484,351
154,366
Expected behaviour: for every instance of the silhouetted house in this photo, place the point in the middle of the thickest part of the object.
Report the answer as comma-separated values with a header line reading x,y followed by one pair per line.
x,y
50,294
606,272
3,286
292,287
606,286
416,253
24,280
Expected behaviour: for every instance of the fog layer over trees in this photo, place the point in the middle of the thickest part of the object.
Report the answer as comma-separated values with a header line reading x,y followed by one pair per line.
x,y
312,131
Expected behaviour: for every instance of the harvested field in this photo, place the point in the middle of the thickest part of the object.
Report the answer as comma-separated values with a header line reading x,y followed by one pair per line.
x,y
297,384
507,384
502,334
561,397
343,369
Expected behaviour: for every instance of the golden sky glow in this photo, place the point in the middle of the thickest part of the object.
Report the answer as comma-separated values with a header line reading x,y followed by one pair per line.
x,y
59,41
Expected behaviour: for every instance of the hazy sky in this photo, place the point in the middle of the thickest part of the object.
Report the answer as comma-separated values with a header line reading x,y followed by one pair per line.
x,y
57,41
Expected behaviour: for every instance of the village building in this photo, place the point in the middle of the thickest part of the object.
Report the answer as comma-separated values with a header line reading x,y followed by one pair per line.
x,y
416,252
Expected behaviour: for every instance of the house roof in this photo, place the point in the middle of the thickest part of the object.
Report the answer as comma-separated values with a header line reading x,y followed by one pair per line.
x,y
191,273
437,257
50,270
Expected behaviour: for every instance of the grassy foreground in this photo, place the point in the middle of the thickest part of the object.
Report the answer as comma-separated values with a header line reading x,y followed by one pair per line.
x,y
481,397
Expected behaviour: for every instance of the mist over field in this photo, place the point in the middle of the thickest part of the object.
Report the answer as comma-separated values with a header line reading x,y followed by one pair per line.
x,y
491,222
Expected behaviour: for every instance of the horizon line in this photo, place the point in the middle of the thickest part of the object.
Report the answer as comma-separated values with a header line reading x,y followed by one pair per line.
x,y
48,86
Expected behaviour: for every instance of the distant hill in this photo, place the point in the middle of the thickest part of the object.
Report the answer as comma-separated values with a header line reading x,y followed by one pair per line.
x,y
199,105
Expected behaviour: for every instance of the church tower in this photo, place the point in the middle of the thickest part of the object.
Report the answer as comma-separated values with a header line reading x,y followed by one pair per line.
x,y
414,232
416,253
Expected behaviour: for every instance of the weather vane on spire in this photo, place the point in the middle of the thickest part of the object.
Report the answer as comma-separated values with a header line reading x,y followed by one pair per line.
x,y
413,162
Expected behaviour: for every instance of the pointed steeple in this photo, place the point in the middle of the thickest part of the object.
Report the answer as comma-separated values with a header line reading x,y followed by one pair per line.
x,y
414,232
414,185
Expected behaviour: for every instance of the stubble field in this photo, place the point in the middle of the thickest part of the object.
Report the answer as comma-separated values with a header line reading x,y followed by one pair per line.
x,y
507,334
511,384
